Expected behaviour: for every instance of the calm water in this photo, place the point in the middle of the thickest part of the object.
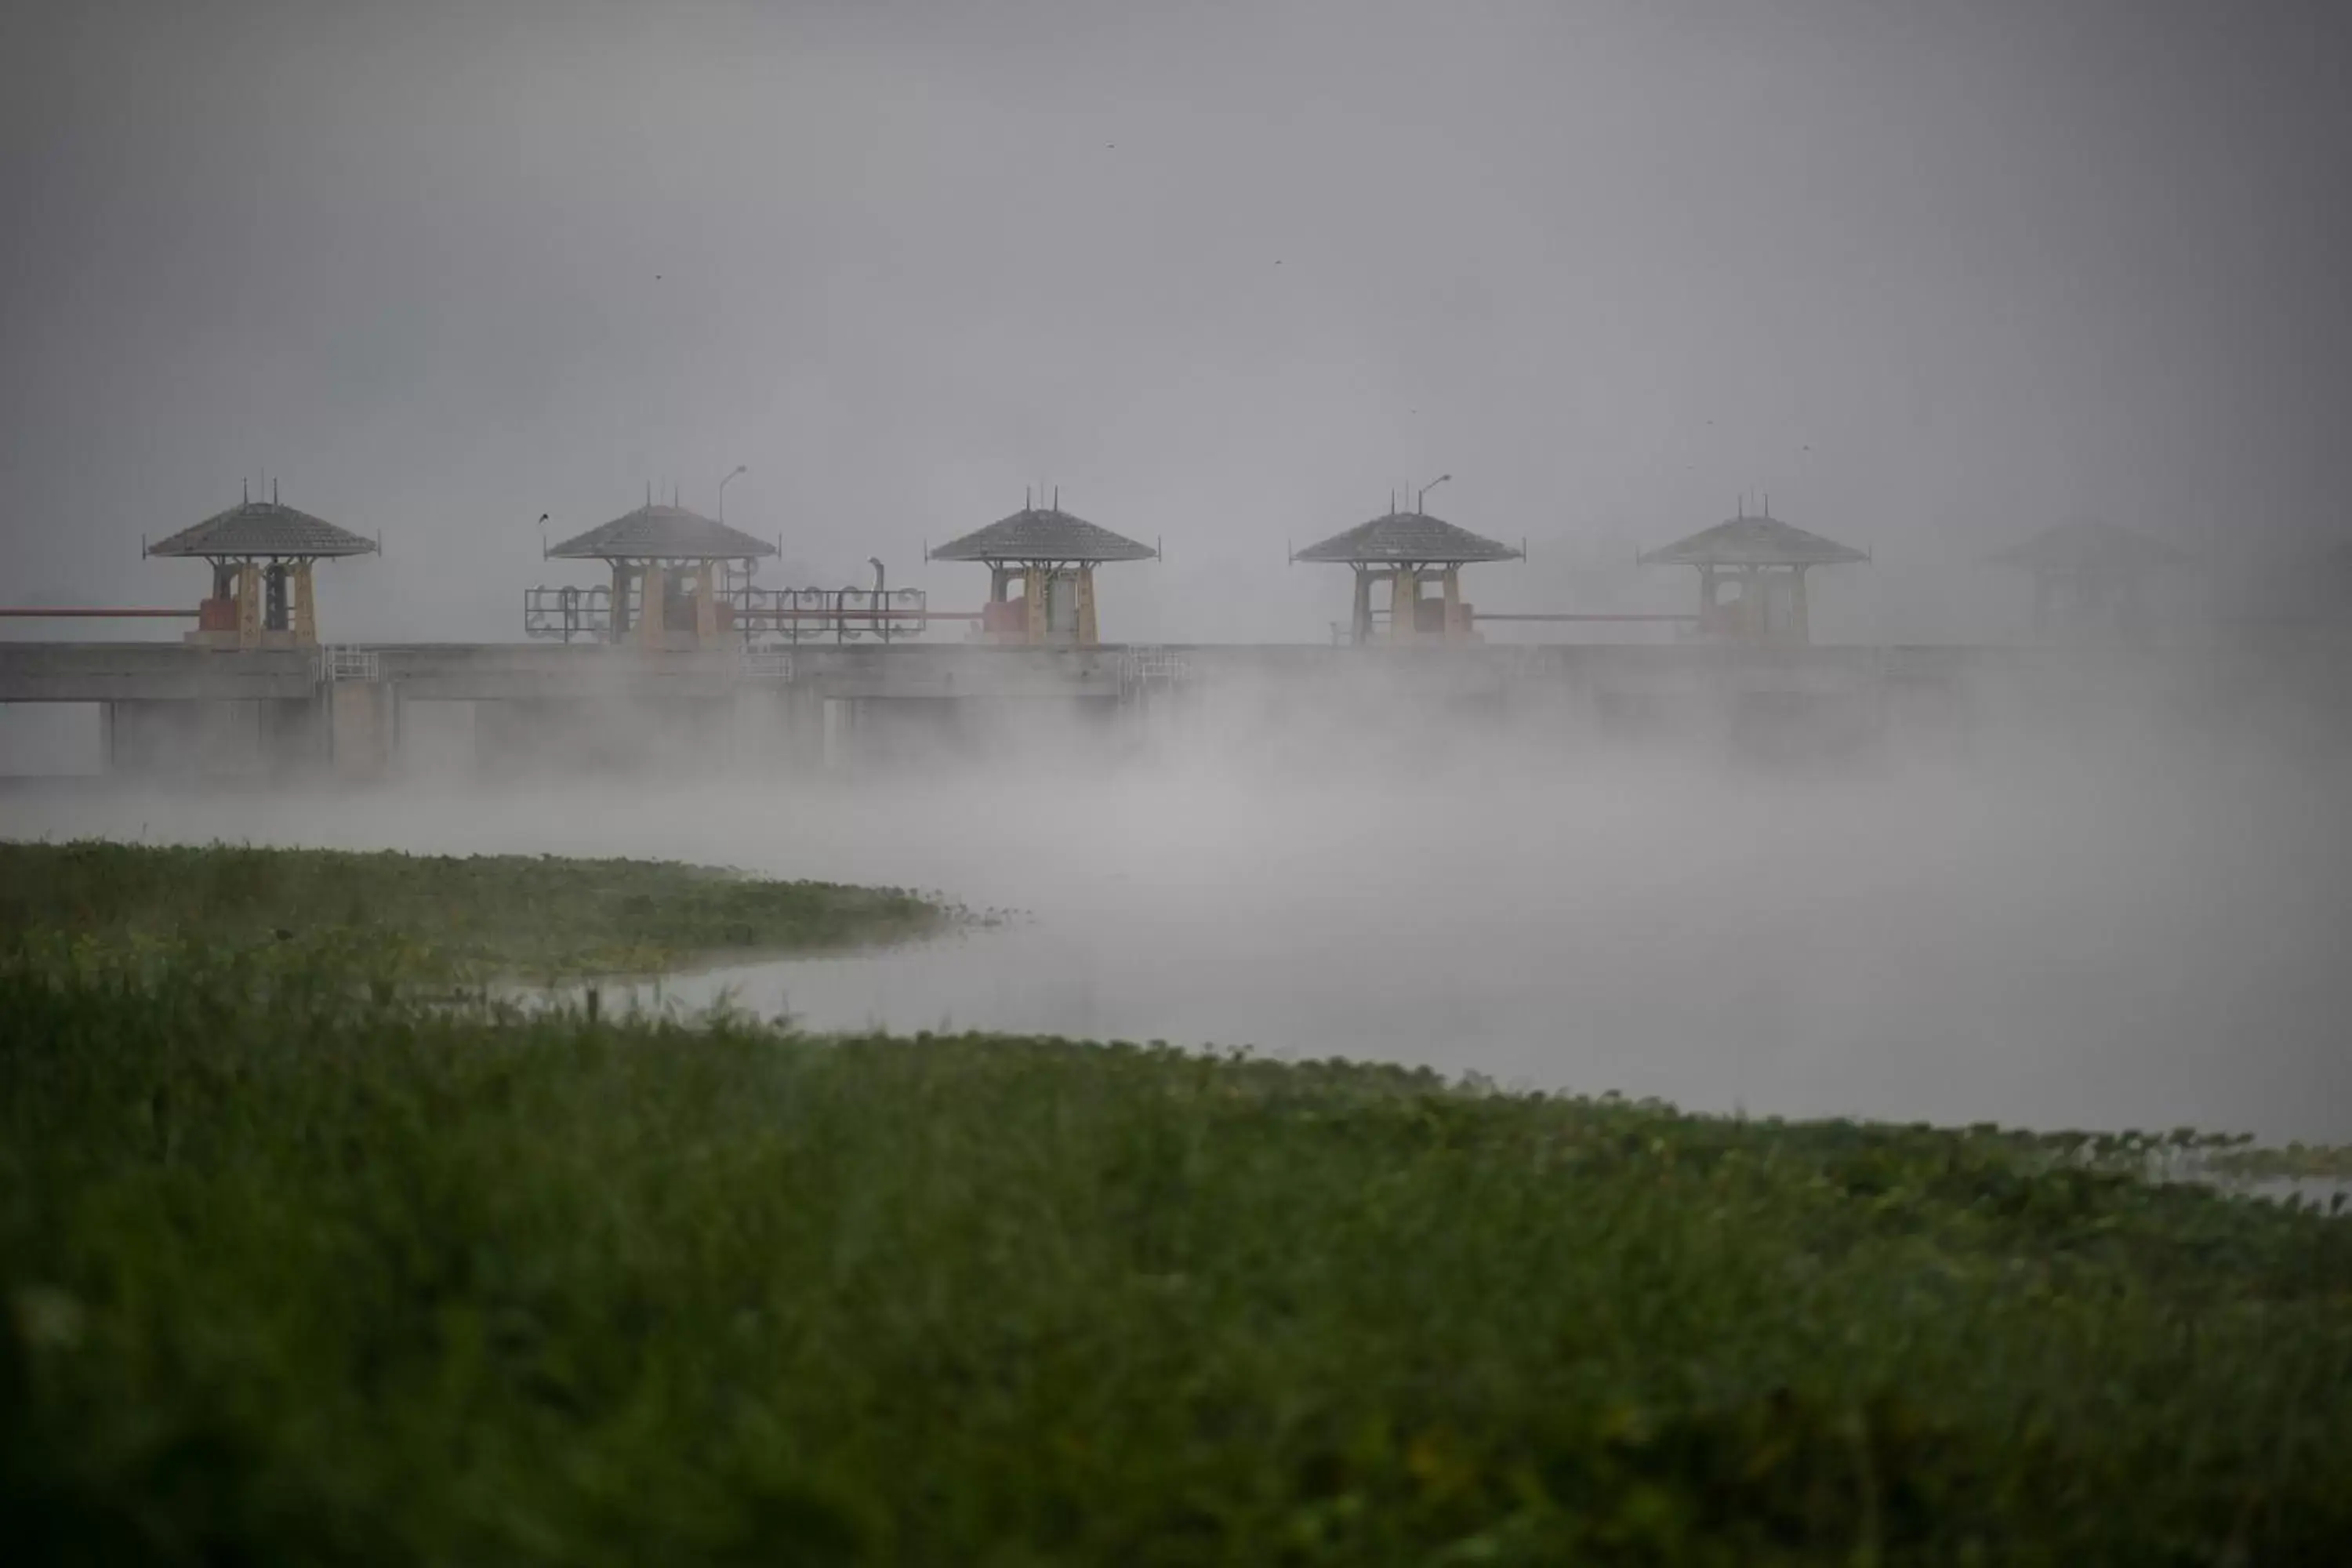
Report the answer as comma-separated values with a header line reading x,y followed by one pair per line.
x,y
2057,945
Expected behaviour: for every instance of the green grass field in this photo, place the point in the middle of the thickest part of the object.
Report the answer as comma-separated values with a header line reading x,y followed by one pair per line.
x,y
433,918
305,1270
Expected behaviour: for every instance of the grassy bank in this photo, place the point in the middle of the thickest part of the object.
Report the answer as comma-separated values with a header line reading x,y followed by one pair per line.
x,y
302,1271
430,917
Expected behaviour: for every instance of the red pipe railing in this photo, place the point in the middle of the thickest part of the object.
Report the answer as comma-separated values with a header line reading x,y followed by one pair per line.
x,y
1483,616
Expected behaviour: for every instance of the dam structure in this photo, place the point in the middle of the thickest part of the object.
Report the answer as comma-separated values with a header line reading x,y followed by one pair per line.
x,y
679,660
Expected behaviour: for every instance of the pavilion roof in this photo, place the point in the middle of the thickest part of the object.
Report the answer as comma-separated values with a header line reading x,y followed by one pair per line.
x,y
1407,539
1042,534
254,529
1753,542
657,532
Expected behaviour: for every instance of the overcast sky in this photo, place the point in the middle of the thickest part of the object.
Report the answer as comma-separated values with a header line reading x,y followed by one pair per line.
x,y
1224,272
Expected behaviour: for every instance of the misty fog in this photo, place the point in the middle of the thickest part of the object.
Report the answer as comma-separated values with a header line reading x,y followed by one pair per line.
x,y
2122,918
1933,277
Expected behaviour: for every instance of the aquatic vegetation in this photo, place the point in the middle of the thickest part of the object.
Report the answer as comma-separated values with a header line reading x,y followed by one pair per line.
x,y
296,1269
431,917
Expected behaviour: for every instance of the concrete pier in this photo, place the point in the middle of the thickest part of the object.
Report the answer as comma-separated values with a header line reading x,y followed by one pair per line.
x,y
170,708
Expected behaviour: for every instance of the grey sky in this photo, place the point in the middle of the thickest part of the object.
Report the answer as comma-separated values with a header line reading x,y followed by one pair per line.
x,y
1224,272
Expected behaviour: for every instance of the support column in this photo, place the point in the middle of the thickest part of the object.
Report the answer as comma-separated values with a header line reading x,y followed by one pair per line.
x,y
1405,596
1362,624
1086,594
359,728
249,604
800,718
306,617
1453,604
1035,582
1801,624
654,605
706,607
617,628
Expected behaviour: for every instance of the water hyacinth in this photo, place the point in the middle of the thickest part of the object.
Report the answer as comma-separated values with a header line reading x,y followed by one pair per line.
x,y
304,1261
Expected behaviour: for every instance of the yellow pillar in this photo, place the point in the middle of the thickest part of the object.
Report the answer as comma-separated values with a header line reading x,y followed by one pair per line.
x,y
706,607
650,612
1033,581
249,604
306,618
1085,606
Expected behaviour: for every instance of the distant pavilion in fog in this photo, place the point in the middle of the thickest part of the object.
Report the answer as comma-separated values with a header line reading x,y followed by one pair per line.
x,y
1751,576
1404,549
262,553
1052,556
666,562
2088,576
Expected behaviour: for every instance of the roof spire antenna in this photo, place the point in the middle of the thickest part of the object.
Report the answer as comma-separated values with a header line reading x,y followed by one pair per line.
x,y
247,487
1768,503
1057,498
273,492
649,494
1028,498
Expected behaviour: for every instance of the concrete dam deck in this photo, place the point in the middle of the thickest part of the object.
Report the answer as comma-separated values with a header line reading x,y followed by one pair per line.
x,y
344,704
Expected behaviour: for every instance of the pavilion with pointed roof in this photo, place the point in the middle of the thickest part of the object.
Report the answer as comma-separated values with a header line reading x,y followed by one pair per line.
x,y
667,563
262,553
1054,555
1751,576
2092,572
1404,548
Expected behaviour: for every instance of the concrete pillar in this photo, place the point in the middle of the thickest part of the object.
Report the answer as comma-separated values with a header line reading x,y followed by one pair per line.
x,y
617,628
249,604
359,728
1801,624
1086,638
652,608
1034,583
306,616
293,733
787,727
1404,593
1360,622
706,607
1454,632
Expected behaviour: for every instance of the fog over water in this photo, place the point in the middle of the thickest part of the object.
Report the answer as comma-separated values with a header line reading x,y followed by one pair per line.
x,y
1934,278
2111,928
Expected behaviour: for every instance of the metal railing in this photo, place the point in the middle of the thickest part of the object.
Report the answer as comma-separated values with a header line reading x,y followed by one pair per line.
x,y
831,614
336,664
766,664
1144,669
568,615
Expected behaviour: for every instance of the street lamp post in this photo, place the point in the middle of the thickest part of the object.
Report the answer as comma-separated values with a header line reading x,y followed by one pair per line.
x,y
740,468
1421,494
